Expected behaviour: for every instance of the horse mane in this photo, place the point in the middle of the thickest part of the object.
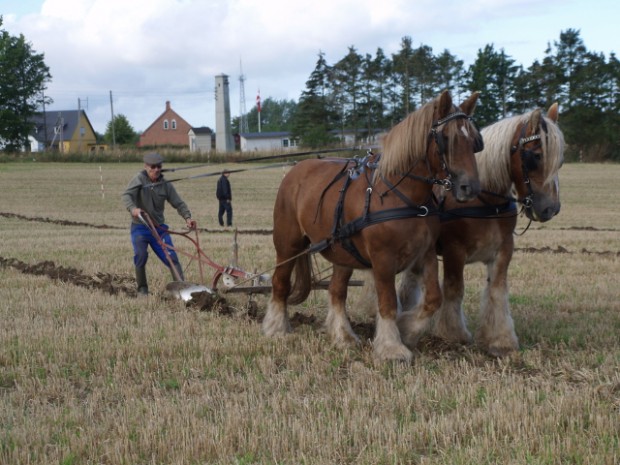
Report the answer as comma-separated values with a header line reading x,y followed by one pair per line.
x,y
494,160
406,143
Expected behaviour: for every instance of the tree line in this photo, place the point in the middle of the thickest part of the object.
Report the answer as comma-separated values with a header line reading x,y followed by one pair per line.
x,y
369,93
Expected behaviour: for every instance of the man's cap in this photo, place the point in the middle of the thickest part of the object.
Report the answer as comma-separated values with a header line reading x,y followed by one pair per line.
x,y
153,159
226,171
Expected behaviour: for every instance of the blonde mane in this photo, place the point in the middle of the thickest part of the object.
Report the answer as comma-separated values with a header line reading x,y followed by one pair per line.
x,y
494,160
406,142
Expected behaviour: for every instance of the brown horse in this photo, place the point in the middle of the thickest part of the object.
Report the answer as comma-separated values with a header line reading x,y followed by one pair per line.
x,y
524,154
373,215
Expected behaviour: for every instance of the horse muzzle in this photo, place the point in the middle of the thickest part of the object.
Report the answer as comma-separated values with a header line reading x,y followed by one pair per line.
x,y
542,211
465,189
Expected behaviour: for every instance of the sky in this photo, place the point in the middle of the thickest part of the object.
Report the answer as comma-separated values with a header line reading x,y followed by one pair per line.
x,y
131,56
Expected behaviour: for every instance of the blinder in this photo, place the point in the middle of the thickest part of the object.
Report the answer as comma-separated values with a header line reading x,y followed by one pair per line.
x,y
440,139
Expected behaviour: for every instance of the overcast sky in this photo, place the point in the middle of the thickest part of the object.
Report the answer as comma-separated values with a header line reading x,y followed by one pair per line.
x,y
149,51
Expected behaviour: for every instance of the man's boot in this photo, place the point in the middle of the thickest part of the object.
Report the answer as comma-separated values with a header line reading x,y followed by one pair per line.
x,y
141,284
179,270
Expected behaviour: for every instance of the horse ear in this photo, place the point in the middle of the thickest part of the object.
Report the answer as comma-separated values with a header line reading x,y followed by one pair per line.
x,y
468,105
534,121
445,104
554,112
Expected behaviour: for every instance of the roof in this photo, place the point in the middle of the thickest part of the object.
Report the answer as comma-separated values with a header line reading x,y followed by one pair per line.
x,y
202,130
265,135
51,119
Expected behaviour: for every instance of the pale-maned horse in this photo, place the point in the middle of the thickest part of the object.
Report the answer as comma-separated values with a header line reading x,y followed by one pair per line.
x,y
522,156
366,215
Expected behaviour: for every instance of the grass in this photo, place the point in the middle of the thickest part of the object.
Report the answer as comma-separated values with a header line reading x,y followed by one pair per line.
x,y
92,378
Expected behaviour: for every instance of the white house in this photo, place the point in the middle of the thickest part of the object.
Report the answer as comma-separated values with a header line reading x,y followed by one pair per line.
x,y
265,141
200,139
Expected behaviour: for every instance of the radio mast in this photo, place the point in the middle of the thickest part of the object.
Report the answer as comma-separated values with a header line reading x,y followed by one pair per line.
x,y
243,116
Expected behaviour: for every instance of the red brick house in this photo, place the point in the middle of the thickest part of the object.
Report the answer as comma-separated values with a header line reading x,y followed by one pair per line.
x,y
168,129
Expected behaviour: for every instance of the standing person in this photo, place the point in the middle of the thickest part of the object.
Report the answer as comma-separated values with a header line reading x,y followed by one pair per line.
x,y
224,195
137,199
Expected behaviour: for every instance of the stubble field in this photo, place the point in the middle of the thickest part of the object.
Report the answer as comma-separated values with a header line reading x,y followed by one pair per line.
x,y
90,374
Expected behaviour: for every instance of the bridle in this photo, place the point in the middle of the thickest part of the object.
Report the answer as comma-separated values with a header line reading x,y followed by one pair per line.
x,y
527,156
437,135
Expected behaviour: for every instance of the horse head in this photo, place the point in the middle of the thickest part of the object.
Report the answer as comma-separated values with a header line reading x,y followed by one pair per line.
x,y
537,153
453,141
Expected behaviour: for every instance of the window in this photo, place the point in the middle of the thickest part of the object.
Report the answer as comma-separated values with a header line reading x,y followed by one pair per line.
x,y
174,124
284,142
165,125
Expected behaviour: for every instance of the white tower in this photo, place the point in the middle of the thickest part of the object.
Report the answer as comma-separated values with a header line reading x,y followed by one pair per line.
x,y
223,137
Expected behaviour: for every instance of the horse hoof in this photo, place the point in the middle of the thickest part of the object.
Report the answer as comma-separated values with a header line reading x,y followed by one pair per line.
x,y
500,352
394,354
346,340
272,328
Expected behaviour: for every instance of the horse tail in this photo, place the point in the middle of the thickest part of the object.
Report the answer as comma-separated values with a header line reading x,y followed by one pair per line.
x,y
302,281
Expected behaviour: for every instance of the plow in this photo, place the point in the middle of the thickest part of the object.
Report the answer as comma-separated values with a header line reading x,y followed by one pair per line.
x,y
224,279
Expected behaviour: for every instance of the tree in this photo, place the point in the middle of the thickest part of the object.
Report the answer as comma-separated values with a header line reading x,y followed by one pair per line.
x,y
123,134
403,76
23,78
347,78
314,118
275,115
425,72
493,74
449,74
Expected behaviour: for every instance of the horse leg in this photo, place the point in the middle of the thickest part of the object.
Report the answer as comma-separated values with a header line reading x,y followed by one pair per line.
x,y
387,343
276,320
496,331
337,324
449,322
409,293
410,289
412,323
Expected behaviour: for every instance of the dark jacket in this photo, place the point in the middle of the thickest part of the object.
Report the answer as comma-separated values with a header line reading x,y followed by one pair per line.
x,y
223,191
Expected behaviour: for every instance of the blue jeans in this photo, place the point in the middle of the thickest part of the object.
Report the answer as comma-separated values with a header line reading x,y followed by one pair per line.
x,y
141,238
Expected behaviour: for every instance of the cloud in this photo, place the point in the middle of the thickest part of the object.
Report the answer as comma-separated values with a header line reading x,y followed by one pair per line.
x,y
150,51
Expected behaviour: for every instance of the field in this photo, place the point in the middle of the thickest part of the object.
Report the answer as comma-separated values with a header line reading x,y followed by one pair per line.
x,y
90,374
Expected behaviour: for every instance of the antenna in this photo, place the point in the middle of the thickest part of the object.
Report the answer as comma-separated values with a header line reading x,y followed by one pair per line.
x,y
243,116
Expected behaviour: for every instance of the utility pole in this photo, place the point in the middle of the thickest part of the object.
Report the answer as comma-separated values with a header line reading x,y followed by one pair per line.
x,y
44,125
112,124
258,107
79,124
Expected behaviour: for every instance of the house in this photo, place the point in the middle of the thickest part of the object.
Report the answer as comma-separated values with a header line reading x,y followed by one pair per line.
x,y
283,141
200,139
168,129
265,141
67,131
350,137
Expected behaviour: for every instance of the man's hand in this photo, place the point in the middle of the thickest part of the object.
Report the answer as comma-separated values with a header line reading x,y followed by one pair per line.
x,y
136,212
191,224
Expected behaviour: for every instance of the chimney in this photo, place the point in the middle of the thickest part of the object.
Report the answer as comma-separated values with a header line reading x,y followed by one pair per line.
x,y
167,105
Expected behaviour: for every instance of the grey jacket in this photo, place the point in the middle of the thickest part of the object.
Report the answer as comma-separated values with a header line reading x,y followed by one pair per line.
x,y
153,199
